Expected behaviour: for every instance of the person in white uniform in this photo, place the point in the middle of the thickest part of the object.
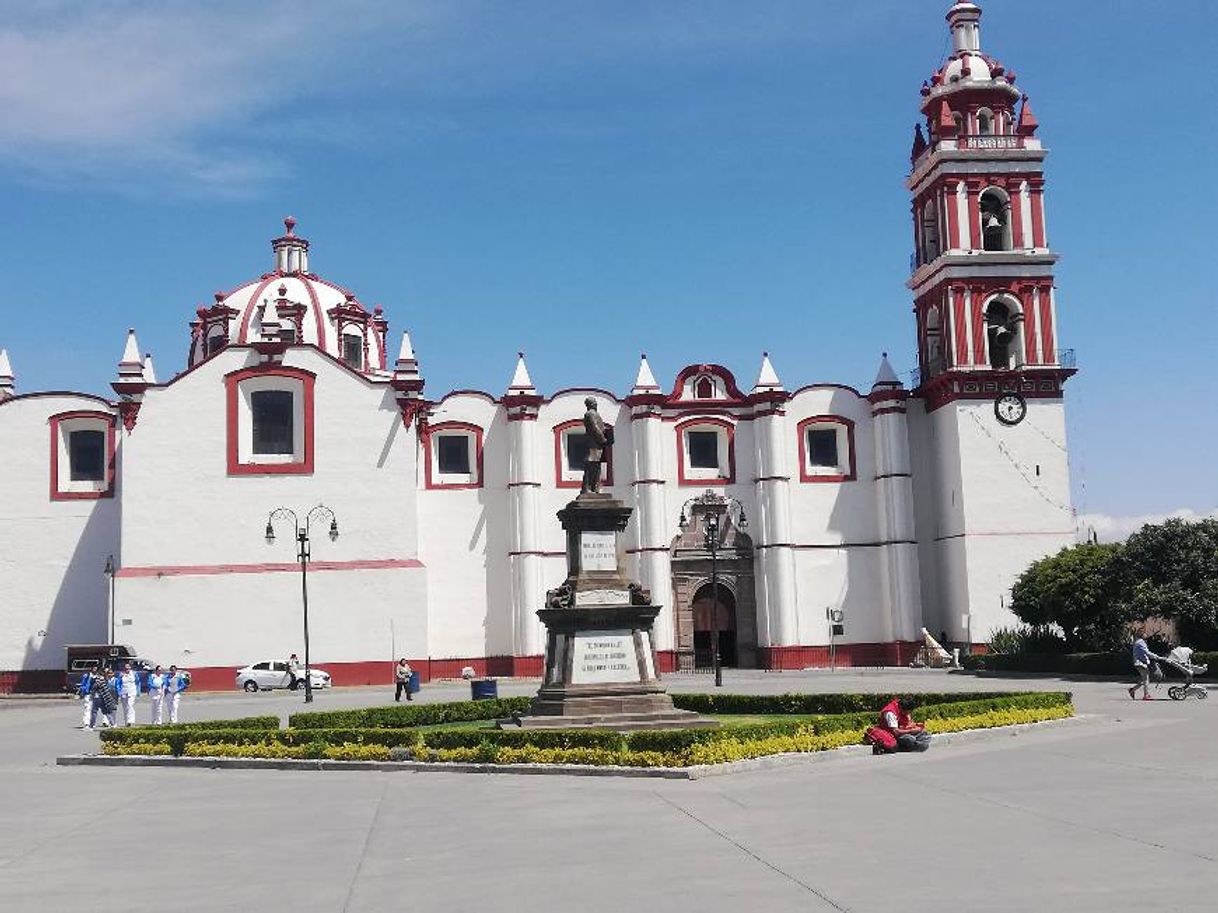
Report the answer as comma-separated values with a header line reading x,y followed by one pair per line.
x,y
86,699
127,687
175,684
156,695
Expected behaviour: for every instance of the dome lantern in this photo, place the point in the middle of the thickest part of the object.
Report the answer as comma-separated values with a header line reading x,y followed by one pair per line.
x,y
291,252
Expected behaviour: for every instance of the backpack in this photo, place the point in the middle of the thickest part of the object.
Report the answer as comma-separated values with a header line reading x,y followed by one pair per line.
x,y
881,740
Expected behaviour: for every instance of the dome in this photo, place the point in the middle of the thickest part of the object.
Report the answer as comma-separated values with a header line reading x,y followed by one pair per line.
x,y
972,67
291,304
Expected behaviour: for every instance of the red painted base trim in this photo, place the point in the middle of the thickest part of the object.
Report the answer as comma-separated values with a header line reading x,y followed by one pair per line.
x,y
32,681
897,653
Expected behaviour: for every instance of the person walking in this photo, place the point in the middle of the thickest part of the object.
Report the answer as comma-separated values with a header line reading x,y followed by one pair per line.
x,y
175,683
85,692
155,686
401,678
127,687
293,672
105,701
1141,665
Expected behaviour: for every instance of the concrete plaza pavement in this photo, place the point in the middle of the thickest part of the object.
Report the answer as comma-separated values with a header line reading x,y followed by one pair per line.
x,y
1115,813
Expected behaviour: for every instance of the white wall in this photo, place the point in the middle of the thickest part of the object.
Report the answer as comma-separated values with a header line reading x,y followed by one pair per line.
x,y
52,553
181,508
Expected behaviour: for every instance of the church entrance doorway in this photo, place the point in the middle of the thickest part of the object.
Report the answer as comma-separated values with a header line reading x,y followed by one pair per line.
x,y
693,599
721,612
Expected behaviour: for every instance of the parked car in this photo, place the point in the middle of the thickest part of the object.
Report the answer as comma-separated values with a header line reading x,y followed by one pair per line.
x,y
268,675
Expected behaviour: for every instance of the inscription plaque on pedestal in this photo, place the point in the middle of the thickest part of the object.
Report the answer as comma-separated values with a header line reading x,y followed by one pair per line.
x,y
604,656
598,550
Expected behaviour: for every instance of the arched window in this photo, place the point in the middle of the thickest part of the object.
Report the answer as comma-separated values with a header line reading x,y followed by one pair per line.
x,y
1004,333
704,388
985,122
934,342
995,220
930,232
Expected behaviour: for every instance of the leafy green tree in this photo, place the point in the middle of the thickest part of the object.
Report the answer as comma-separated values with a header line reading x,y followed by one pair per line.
x,y
1171,570
1080,591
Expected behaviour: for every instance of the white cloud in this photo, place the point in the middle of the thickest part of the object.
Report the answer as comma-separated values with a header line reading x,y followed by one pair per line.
x,y
1117,529
135,90
168,94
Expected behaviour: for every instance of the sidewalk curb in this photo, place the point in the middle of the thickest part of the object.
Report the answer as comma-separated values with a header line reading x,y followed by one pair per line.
x,y
769,762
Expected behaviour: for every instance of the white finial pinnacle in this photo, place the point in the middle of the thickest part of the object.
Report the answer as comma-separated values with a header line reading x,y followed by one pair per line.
x,y
149,369
6,375
645,381
521,382
886,377
406,352
131,351
767,377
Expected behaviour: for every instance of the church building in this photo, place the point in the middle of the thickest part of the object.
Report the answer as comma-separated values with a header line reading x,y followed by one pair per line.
x,y
844,517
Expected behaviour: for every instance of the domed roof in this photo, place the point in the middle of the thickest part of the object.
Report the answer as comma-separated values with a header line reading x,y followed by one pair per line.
x,y
291,304
968,67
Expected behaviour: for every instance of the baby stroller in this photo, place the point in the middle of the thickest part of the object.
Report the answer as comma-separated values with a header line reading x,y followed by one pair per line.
x,y
1181,660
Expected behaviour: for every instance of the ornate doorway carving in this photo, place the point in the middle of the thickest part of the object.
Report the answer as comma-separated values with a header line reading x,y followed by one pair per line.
x,y
693,597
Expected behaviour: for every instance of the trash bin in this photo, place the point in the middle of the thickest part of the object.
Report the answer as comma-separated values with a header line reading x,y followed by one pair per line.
x,y
413,685
484,689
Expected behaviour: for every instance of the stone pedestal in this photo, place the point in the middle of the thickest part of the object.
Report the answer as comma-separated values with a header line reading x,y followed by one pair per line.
x,y
600,667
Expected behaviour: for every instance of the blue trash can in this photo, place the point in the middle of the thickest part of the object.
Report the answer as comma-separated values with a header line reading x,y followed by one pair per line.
x,y
484,689
413,685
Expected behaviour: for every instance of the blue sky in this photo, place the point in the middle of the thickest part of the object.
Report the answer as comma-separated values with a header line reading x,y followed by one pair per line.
x,y
698,180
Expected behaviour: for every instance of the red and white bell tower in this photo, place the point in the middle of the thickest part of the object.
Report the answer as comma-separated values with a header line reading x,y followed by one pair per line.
x,y
991,369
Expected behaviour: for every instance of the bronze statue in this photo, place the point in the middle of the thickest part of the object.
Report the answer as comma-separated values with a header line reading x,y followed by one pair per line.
x,y
600,436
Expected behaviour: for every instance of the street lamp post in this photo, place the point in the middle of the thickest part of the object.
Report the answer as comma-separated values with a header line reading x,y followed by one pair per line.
x,y
302,555
715,506
109,572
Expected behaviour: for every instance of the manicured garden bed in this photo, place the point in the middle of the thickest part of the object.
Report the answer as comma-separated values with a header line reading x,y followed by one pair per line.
x,y
753,726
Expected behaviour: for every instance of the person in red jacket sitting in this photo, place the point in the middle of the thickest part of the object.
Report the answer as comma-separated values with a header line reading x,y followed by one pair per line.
x,y
897,731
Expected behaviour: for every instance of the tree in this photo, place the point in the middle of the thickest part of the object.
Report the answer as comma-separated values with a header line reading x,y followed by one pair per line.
x,y
1171,571
1080,591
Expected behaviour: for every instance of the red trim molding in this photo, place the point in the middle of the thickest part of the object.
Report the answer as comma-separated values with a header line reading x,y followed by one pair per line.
x,y
211,570
428,479
730,428
559,430
107,492
828,419
893,653
233,384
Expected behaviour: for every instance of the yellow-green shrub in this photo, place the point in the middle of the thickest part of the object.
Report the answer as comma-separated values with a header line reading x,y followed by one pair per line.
x,y
355,752
1000,718
140,748
251,750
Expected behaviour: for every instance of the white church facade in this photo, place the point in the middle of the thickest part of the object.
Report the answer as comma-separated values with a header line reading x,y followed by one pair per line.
x,y
897,506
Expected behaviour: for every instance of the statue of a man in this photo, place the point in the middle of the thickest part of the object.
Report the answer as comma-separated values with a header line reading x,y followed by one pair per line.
x,y
600,436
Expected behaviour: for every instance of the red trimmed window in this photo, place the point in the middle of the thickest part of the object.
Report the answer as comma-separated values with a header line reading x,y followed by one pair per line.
x,y
270,421
82,455
452,455
570,452
826,449
706,452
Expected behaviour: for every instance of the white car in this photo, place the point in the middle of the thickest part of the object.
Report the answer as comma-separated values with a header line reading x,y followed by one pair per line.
x,y
268,675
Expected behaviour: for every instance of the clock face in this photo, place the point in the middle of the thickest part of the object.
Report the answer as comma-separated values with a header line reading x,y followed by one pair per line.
x,y
1010,408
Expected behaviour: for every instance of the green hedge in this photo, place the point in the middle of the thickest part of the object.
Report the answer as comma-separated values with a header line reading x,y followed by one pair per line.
x,y
398,717
245,722
814,703
1072,663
